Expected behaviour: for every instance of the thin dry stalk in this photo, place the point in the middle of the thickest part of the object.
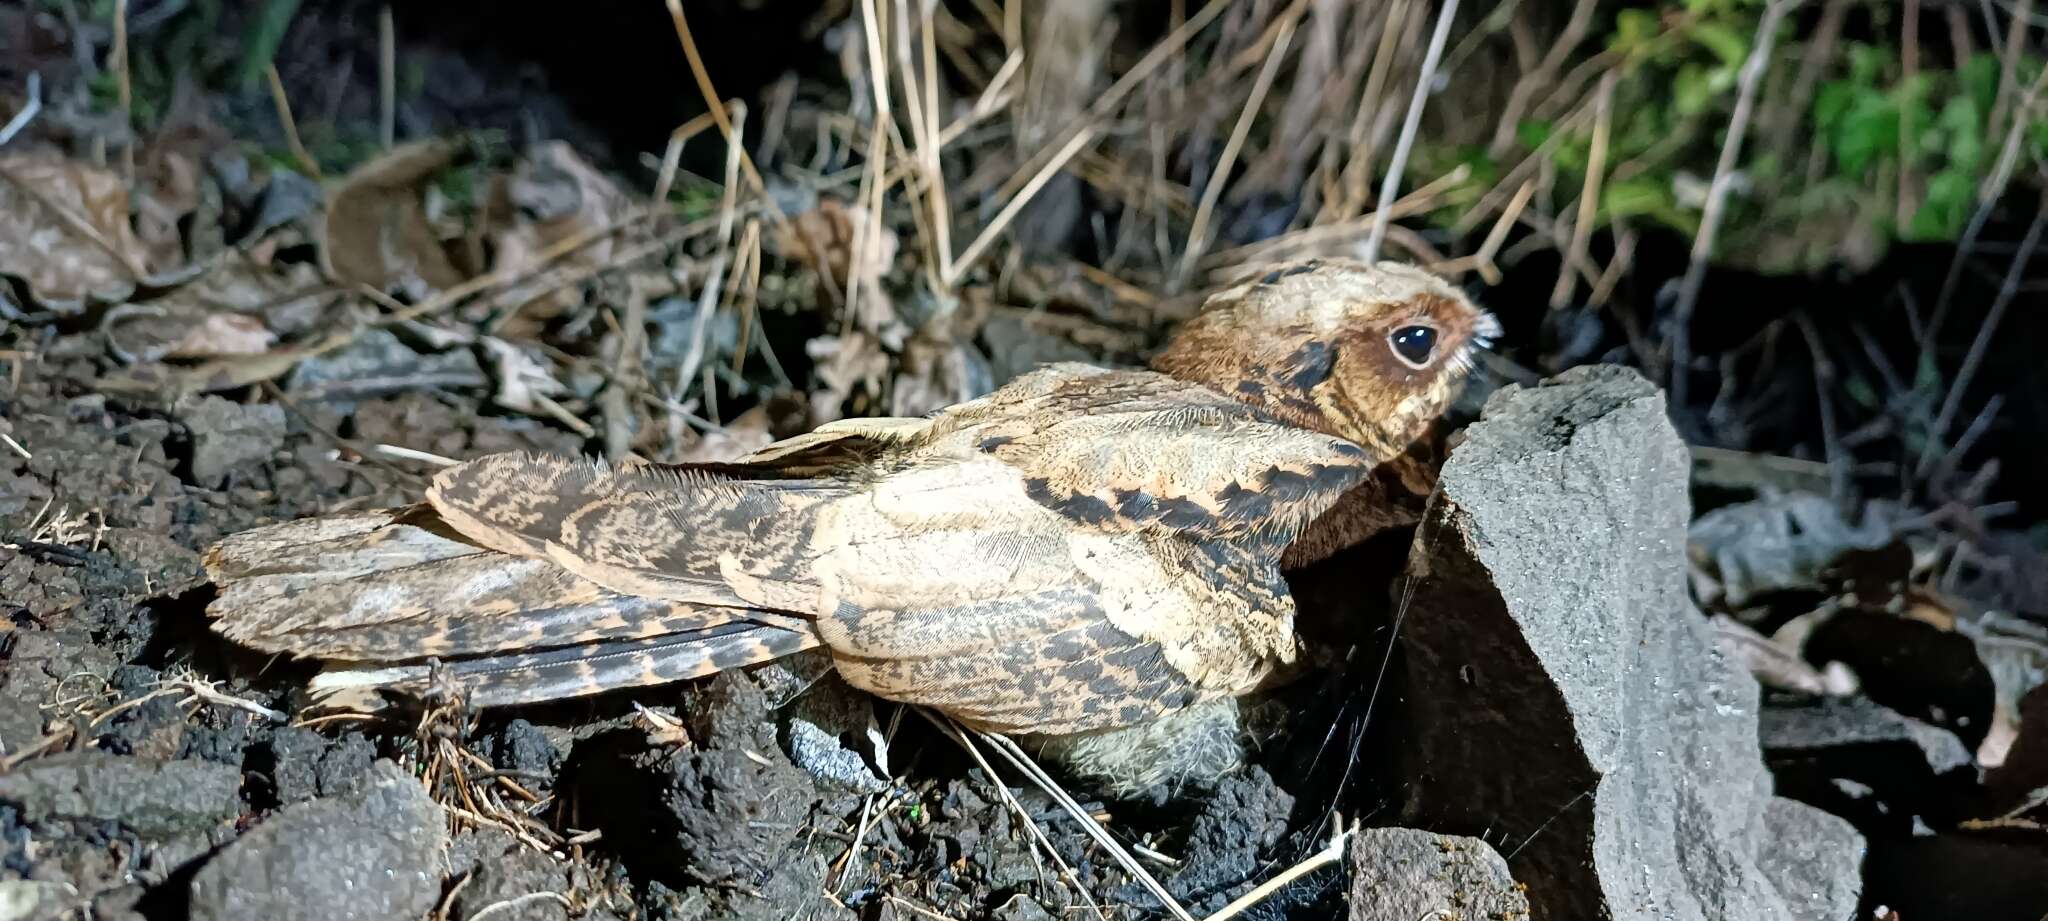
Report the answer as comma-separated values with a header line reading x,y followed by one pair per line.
x,y
1589,196
1909,53
1985,333
1526,88
290,125
1717,193
1265,890
961,737
123,89
1423,81
1035,178
1198,239
711,99
387,77
1021,761
2008,75
28,112
672,155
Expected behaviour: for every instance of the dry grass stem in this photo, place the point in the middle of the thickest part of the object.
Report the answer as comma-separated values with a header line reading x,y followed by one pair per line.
x,y
1198,239
1717,192
1424,80
290,125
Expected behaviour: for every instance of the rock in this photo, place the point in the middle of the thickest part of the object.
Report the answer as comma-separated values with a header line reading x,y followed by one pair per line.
x,y
153,799
226,435
1567,696
302,764
821,721
1815,862
33,900
727,810
1246,817
1401,874
1902,770
510,881
374,854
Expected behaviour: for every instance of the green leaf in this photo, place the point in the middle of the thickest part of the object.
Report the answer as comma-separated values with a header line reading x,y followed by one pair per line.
x,y
259,45
1868,133
1634,28
1693,90
1730,46
1979,79
1951,195
1636,197
1533,132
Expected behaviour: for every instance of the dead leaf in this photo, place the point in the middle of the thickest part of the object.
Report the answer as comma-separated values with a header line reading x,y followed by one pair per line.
x,y
844,365
742,436
550,196
64,229
524,382
934,373
377,232
1772,544
823,239
224,334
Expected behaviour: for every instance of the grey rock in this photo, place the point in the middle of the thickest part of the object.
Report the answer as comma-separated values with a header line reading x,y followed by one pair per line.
x,y
1566,694
154,799
226,434
1401,874
304,764
1815,861
820,724
1245,818
34,900
377,362
1843,722
375,854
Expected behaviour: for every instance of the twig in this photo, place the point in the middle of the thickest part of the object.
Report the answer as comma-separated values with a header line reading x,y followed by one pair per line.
x,y
514,904
1219,179
1260,893
16,445
124,91
290,125
1985,332
1717,194
711,99
387,77
1589,194
1018,759
1392,183
405,453
960,737
1525,89
28,109
1160,54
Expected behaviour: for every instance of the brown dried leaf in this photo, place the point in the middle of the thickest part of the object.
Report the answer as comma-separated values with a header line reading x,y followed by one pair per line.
x,y
740,437
224,334
845,363
64,229
823,239
376,231
550,196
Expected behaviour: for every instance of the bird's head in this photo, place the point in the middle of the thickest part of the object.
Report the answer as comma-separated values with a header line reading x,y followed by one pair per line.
x,y
1369,353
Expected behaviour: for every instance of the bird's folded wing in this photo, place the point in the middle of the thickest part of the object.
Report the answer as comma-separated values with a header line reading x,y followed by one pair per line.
x,y
1139,451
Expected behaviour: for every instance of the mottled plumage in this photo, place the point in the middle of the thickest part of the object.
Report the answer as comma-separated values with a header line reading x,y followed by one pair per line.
x,y
1082,549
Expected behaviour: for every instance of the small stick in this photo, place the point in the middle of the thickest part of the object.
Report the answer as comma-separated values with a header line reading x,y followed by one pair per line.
x,y
1316,861
1392,183
291,126
1589,195
123,90
1717,194
711,97
28,110
1198,234
387,77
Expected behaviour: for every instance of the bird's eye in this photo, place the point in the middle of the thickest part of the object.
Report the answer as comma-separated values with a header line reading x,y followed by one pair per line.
x,y
1413,344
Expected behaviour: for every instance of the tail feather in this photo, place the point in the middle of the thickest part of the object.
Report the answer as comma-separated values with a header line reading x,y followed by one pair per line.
x,y
580,671
366,588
